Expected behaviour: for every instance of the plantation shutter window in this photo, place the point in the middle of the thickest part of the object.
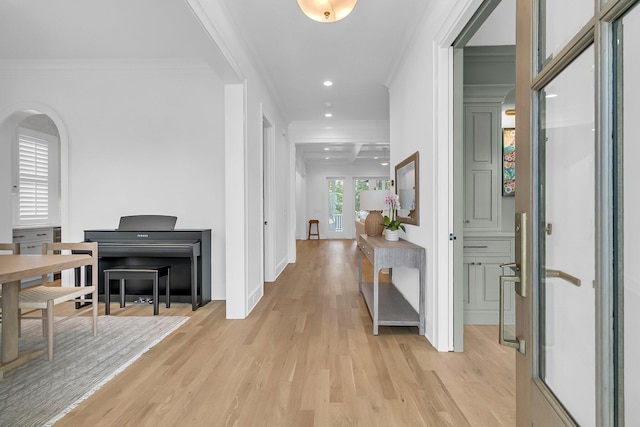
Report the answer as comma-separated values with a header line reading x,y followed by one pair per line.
x,y
33,178
37,197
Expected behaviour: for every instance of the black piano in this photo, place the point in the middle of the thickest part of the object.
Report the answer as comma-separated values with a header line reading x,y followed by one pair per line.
x,y
144,240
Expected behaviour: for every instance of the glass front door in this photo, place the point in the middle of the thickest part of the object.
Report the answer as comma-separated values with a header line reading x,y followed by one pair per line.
x,y
577,108
566,239
628,231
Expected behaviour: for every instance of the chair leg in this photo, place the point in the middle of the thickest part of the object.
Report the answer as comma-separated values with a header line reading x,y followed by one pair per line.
x,y
94,306
44,322
122,293
50,329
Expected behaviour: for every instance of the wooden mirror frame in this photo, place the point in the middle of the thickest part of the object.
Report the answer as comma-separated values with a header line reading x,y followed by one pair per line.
x,y
410,163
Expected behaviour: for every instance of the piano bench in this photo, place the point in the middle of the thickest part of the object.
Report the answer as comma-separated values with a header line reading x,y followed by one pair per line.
x,y
132,272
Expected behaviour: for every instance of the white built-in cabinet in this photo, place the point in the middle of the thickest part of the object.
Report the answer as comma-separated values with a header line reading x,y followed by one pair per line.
x,y
486,244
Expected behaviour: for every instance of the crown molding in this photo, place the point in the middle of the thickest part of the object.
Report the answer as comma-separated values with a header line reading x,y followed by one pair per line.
x,y
339,131
180,64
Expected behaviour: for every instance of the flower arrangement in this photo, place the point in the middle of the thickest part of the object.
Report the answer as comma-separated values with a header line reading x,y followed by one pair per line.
x,y
391,223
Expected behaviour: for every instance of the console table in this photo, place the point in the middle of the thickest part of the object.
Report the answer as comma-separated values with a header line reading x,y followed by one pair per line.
x,y
386,304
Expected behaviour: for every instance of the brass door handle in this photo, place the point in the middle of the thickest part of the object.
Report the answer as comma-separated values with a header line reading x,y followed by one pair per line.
x,y
562,275
517,342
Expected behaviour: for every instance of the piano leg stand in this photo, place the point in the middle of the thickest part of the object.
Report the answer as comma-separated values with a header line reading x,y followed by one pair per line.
x,y
194,282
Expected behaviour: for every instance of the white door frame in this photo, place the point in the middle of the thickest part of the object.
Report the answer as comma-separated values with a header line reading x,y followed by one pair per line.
x,y
269,218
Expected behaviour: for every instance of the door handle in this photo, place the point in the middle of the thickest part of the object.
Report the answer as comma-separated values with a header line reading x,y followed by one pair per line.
x,y
565,276
512,265
516,343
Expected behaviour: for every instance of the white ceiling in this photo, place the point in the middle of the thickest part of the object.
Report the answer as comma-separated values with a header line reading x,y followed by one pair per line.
x,y
356,53
295,53
99,30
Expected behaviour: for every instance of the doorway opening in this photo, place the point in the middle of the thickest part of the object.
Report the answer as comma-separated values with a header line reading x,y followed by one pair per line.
x,y
32,167
268,215
483,202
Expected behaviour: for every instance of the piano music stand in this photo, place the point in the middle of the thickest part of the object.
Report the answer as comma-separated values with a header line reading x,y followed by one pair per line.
x,y
147,223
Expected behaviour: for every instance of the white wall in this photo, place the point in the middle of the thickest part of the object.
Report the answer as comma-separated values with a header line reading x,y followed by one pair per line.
x,y
259,100
318,200
142,139
419,121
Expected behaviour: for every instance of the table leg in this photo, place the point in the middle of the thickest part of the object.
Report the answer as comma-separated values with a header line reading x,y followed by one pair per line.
x,y
10,321
376,289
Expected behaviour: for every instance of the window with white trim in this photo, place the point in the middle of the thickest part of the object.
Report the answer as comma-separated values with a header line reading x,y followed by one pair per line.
x,y
36,186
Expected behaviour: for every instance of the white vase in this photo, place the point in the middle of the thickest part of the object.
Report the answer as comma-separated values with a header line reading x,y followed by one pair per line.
x,y
392,235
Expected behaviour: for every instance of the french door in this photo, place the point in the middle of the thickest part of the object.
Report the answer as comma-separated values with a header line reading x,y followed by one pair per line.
x,y
577,267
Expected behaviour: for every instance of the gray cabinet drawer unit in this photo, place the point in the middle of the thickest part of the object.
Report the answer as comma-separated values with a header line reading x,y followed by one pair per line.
x,y
31,240
502,246
482,268
385,303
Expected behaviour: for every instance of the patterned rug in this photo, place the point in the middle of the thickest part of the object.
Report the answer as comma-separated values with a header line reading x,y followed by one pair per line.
x,y
41,392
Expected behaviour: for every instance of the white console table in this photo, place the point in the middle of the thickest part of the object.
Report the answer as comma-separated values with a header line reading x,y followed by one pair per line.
x,y
386,304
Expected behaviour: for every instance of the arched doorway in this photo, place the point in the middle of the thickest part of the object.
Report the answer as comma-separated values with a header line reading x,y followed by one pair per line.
x,y
21,132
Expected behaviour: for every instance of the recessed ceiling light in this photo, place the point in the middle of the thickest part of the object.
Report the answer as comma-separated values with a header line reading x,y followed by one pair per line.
x,y
551,95
328,115
328,83
375,158
326,148
384,164
327,158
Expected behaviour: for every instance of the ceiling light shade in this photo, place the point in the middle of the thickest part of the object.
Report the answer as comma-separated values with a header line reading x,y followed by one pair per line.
x,y
327,10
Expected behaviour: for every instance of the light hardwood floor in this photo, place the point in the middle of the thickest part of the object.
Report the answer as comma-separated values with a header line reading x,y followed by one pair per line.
x,y
305,357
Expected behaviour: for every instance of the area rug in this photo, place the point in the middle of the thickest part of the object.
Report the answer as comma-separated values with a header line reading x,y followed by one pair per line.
x,y
41,392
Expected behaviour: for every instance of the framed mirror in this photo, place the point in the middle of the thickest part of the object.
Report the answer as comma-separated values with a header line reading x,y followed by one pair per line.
x,y
408,190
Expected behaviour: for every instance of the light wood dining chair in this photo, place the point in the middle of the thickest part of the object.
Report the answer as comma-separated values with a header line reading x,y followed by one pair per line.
x,y
13,249
45,297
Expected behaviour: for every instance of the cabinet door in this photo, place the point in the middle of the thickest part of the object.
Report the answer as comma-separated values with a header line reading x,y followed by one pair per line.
x,y
482,166
484,290
469,273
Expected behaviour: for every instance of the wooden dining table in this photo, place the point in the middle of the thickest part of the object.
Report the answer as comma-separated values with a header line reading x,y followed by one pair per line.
x,y
12,269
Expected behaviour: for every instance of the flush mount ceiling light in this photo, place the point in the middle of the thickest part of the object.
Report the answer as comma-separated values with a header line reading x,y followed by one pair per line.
x,y
327,10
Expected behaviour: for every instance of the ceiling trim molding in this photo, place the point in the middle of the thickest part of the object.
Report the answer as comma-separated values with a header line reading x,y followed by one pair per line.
x,y
339,132
182,64
487,93
227,34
